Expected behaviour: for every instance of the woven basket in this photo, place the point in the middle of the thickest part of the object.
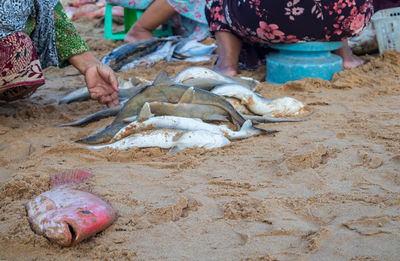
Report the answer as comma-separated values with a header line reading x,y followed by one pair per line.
x,y
387,27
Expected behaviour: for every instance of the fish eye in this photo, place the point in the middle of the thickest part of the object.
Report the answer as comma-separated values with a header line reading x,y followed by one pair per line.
x,y
85,211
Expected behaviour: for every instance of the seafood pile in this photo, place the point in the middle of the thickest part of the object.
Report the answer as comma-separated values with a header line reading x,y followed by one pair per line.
x,y
148,52
186,111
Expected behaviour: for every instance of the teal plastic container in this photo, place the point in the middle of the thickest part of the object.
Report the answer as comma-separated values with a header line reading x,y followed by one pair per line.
x,y
301,60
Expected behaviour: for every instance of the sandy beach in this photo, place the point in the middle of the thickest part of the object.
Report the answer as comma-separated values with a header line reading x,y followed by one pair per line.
x,y
323,189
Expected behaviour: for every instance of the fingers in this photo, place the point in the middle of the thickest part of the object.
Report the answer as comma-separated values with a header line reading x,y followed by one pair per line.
x,y
102,84
94,95
109,100
113,104
114,101
108,74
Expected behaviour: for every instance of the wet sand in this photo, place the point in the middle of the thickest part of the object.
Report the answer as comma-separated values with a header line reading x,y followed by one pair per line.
x,y
323,189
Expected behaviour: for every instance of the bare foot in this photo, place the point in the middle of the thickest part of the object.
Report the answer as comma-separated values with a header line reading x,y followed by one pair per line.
x,y
137,33
226,67
352,62
349,60
228,50
157,13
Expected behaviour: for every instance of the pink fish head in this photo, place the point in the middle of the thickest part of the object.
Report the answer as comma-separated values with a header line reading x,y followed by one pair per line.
x,y
66,215
81,223
70,225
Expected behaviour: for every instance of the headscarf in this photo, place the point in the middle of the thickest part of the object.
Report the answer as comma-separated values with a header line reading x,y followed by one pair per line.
x,y
13,16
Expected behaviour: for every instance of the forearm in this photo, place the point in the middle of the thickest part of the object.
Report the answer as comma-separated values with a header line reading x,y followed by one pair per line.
x,y
68,41
83,61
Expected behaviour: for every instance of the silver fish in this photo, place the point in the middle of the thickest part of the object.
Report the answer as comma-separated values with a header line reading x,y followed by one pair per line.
x,y
81,94
285,106
126,88
192,48
95,116
161,53
188,124
237,104
178,140
199,72
202,83
132,51
123,96
198,59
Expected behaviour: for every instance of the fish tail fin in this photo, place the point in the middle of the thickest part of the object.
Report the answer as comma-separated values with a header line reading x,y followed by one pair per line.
x,y
71,176
247,125
266,131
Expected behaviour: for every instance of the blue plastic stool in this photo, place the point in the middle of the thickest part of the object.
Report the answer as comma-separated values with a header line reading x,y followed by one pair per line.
x,y
130,17
301,60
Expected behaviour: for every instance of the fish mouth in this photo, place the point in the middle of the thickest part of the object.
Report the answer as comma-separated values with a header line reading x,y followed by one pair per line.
x,y
69,235
72,233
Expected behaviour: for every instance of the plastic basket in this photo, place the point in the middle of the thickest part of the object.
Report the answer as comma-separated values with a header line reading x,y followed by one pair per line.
x,y
387,27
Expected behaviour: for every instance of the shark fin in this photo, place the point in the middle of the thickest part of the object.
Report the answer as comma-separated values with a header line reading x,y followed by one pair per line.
x,y
247,125
130,119
187,96
161,77
145,113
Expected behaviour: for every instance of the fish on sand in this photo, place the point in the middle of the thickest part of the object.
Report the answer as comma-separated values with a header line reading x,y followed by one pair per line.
x,y
129,52
127,88
206,78
188,124
163,90
66,214
95,116
188,110
285,106
175,139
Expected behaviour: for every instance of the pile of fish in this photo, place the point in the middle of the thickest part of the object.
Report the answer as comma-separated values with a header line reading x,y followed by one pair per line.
x,y
148,52
177,113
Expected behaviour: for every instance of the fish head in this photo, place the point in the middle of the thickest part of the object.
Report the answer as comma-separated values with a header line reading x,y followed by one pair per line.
x,y
69,226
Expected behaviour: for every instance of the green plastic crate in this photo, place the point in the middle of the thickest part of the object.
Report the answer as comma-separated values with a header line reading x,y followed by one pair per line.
x,y
130,17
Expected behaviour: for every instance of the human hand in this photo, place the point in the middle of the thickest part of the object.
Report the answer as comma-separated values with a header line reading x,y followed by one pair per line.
x,y
102,84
